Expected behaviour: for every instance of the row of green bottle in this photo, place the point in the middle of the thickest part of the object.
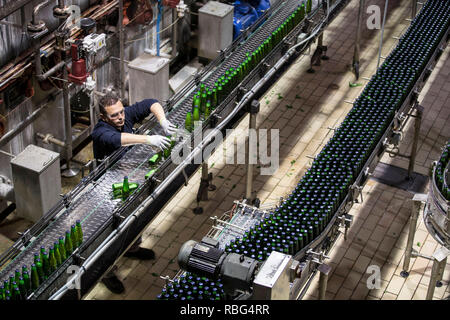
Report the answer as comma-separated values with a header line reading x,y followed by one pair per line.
x,y
206,99
123,189
22,283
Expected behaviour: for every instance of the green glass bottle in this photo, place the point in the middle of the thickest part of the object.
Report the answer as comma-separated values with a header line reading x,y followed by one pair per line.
x,y
40,271
207,110
79,232
2,293
23,291
52,260
154,159
150,173
68,244
62,249
46,265
188,122
42,253
12,279
125,188
8,295
17,275
57,254
196,115
6,285
308,6
74,236
203,103
34,277
16,295
27,281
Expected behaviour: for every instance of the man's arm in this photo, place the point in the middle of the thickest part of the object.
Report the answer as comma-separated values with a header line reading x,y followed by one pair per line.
x,y
128,139
157,109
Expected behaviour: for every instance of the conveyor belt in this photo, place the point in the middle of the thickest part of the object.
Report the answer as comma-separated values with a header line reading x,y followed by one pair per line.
x,y
94,204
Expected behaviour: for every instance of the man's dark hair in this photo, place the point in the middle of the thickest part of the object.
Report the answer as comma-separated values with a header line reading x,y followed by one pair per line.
x,y
107,100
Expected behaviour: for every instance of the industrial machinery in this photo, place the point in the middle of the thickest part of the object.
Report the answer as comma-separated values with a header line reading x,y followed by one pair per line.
x,y
280,277
110,225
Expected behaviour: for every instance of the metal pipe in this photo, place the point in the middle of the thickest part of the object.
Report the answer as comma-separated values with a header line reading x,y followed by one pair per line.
x,y
33,116
411,233
12,6
382,32
48,138
174,32
250,153
37,9
417,124
50,72
324,271
67,117
434,278
413,9
121,49
37,57
358,32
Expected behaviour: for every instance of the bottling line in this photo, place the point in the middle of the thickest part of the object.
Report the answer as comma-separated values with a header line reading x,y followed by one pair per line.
x,y
280,266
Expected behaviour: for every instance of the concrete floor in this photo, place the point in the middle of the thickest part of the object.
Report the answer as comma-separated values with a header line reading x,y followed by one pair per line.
x,y
303,106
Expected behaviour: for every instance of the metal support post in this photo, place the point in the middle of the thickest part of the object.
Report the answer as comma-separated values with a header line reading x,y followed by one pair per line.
x,y
358,39
417,201
324,270
382,32
324,48
205,186
417,125
413,9
437,272
250,149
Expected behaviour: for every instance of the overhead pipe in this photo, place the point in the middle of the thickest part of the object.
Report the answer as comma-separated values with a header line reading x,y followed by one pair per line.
x,y
49,138
50,72
174,32
36,10
122,51
11,7
27,121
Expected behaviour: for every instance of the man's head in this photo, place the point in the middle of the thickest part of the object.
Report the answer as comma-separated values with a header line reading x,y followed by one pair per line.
x,y
112,110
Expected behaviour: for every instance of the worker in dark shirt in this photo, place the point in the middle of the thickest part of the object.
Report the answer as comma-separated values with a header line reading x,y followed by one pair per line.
x,y
114,130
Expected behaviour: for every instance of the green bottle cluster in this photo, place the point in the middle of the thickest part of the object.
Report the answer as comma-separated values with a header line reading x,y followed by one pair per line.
x,y
23,282
161,155
123,189
191,287
306,212
441,166
206,99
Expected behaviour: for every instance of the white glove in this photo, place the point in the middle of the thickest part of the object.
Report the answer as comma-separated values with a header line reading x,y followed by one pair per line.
x,y
168,127
158,141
